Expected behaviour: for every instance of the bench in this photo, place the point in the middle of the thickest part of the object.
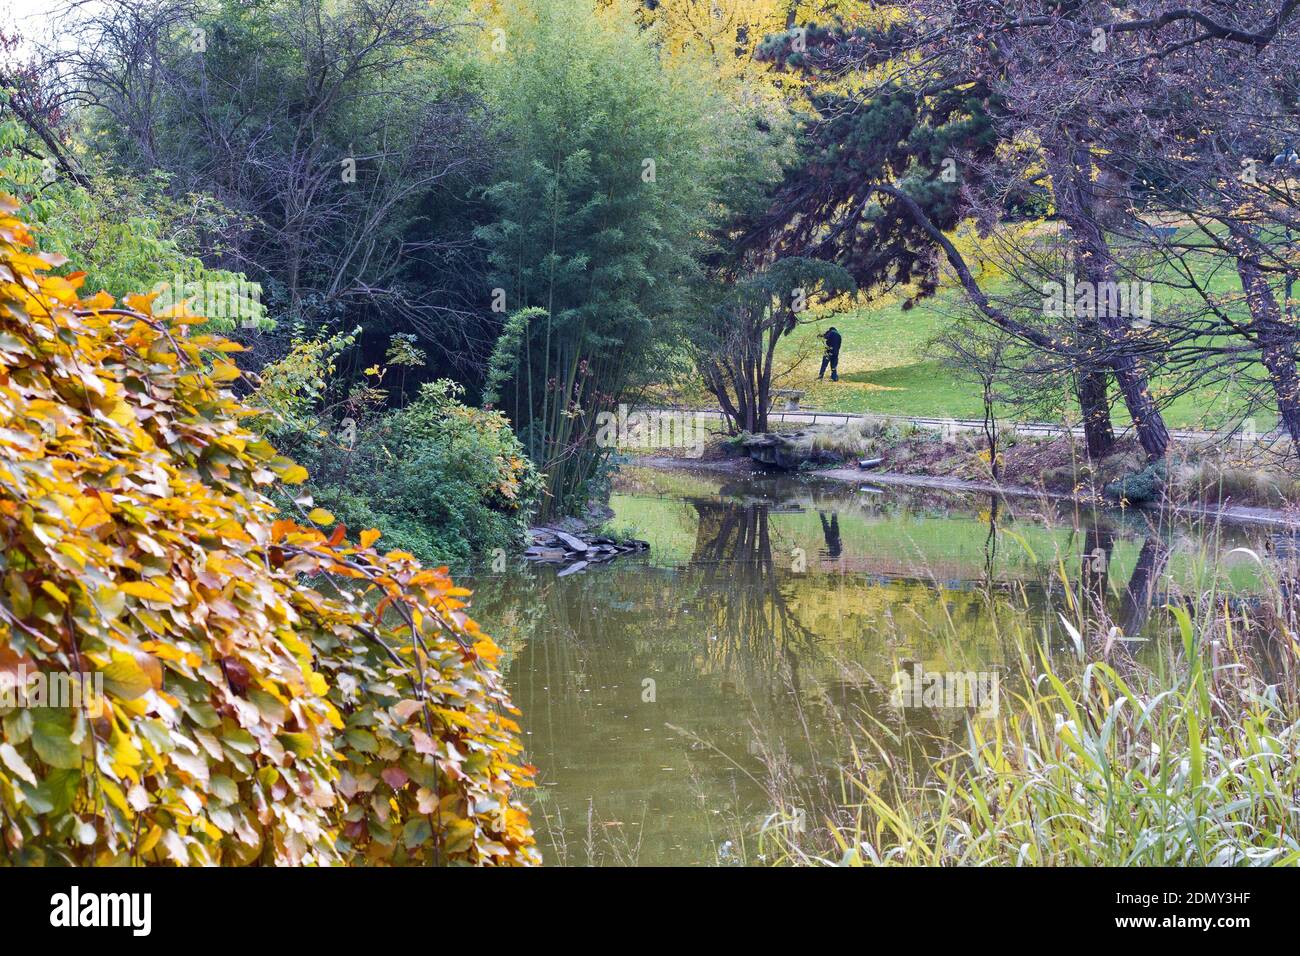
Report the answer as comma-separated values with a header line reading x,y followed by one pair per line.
x,y
791,396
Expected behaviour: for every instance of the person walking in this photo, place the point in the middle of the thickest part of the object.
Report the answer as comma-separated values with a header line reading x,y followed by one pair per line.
x,y
831,356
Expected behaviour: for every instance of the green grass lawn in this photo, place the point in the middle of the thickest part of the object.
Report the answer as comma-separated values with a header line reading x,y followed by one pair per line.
x,y
885,365
888,367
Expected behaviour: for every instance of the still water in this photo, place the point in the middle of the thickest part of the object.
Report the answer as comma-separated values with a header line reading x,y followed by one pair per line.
x,y
666,697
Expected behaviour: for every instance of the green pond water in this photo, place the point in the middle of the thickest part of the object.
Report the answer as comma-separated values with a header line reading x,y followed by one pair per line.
x,y
666,697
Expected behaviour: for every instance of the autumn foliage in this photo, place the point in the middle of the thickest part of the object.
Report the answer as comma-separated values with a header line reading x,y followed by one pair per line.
x,y
273,693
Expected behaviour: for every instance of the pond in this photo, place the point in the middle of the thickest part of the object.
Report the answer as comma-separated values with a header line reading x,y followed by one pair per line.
x,y
672,702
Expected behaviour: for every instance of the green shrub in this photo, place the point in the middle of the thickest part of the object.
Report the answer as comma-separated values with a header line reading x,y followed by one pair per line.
x,y
442,480
127,235
1140,487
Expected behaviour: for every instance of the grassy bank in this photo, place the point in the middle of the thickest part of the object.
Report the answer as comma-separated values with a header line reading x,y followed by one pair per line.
x,y
890,364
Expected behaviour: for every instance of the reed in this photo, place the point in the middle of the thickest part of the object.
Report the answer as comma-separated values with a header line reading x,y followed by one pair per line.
x,y
1189,758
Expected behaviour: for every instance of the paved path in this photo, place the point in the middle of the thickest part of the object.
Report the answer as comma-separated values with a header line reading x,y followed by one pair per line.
x,y
950,426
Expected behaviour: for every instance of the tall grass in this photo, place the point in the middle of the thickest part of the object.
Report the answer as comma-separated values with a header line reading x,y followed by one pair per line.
x,y
1189,758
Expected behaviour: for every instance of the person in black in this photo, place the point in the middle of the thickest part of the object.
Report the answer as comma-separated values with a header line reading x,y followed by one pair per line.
x,y
832,354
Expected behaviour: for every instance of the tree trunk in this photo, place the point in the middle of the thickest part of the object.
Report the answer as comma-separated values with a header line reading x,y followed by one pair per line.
x,y
1071,170
1147,419
1280,362
1273,335
1090,388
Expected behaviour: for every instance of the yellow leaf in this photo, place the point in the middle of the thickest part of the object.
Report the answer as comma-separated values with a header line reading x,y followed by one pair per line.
x,y
151,839
141,303
225,371
145,590
320,516
54,592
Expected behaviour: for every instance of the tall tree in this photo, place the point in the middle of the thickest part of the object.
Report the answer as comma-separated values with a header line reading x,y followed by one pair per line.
x,y
287,112
1021,71
602,207
735,346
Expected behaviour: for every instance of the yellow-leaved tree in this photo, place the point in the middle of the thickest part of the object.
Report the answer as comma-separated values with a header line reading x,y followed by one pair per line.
x,y
271,692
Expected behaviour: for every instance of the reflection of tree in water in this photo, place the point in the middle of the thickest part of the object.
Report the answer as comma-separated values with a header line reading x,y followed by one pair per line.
x,y
1140,593
1094,570
807,733
758,637
755,631
991,542
724,648
1129,611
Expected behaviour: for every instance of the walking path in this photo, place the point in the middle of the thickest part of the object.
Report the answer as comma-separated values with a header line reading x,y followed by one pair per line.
x,y
950,426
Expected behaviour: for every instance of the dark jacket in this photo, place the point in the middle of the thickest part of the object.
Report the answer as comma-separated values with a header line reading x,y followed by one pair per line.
x,y
832,341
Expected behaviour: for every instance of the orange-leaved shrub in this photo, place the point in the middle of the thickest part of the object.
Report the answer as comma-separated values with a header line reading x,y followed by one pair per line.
x,y
271,691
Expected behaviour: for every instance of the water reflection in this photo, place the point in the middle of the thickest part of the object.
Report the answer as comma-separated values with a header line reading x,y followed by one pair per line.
x,y
831,532
747,603
1127,606
672,702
